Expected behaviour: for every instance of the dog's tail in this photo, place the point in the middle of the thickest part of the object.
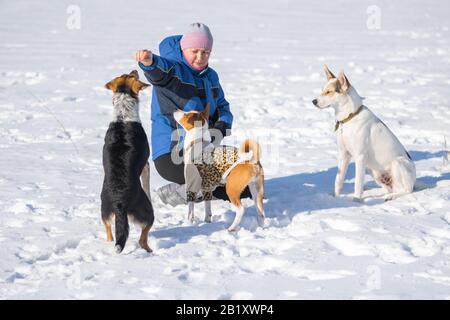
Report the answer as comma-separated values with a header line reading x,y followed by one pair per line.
x,y
122,227
253,146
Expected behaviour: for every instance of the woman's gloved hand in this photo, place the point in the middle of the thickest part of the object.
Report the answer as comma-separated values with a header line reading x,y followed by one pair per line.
x,y
218,132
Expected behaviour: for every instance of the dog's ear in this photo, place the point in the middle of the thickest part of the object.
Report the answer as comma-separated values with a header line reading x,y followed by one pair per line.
x,y
178,115
343,81
138,86
135,74
112,85
205,113
328,73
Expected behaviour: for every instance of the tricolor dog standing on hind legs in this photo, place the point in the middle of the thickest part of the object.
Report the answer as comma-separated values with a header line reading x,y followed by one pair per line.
x,y
125,160
207,167
366,139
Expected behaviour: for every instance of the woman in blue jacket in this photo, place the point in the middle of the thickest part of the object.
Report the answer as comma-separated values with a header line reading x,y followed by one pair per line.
x,y
182,79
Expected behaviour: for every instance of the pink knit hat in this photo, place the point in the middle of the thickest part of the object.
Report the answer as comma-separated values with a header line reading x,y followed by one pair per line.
x,y
197,36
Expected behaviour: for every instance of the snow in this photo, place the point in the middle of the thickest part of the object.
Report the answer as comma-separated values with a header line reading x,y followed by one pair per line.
x,y
54,113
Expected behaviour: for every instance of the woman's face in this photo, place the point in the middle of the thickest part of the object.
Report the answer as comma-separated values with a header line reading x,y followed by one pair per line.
x,y
197,57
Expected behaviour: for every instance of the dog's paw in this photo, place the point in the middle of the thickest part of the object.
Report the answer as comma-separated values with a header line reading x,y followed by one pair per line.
x,y
147,248
233,229
336,194
144,245
262,222
358,200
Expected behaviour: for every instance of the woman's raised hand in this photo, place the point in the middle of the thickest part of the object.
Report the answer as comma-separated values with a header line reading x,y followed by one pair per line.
x,y
144,56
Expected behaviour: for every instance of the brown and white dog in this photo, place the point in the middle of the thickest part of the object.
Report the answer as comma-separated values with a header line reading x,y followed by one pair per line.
x,y
220,165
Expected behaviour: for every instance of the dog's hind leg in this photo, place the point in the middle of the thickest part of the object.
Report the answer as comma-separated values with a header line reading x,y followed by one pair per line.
x,y
403,178
107,214
145,178
109,236
239,214
143,213
237,180
143,240
257,191
191,212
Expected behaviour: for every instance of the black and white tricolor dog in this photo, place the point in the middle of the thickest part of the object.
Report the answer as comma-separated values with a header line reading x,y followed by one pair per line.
x,y
125,160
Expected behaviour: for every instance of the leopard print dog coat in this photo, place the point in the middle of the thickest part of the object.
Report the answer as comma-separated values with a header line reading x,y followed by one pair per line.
x,y
211,169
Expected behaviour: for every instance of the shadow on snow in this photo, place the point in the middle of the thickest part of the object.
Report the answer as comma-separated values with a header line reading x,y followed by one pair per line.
x,y
292,195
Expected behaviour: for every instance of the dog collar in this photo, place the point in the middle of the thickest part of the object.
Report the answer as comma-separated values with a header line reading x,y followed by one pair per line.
x,y
350,117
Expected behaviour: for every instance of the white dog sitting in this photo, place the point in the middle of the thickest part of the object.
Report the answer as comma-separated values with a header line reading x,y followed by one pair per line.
x,y
366,139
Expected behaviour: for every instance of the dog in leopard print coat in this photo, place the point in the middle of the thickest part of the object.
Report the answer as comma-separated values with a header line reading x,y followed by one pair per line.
x,y
207,167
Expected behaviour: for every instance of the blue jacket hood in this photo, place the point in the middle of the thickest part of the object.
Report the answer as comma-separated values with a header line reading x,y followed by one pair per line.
x,y
170,48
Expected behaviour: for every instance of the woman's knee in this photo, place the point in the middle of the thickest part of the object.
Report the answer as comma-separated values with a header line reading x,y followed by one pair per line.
x,y
169,170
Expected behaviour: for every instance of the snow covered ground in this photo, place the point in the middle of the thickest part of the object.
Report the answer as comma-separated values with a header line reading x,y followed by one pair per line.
x,y
269,56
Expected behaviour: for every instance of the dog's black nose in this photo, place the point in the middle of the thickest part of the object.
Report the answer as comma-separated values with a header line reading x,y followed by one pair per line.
x,y
314,102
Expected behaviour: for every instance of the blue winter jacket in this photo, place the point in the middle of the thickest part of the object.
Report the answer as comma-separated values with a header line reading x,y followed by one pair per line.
x,y
176,85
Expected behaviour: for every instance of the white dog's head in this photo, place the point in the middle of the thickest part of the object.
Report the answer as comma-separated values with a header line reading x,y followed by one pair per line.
x,y
192,119
195,123
335,93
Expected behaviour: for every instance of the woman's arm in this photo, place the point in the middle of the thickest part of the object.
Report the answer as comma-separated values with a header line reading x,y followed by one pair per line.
x,y
222,127
223,107
157,70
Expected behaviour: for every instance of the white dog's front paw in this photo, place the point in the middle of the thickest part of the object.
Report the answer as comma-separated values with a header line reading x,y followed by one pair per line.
x,y
263,223
337,192
357,199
